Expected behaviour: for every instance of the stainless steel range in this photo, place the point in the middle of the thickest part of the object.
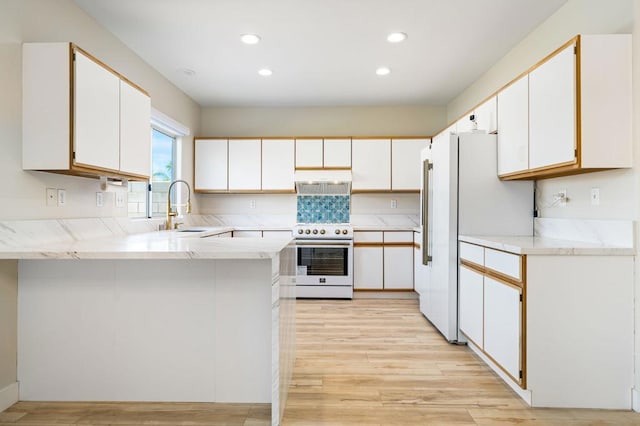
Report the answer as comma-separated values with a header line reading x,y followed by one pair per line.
x,y
324,260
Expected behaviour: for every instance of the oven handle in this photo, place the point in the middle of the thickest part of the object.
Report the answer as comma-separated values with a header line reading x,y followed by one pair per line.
x,y
325,243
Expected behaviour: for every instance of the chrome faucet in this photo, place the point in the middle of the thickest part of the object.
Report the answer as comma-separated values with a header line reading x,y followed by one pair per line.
x,y
170,213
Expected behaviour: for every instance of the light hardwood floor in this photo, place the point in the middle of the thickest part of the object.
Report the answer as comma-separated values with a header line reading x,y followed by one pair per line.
x,y
380,362
360,362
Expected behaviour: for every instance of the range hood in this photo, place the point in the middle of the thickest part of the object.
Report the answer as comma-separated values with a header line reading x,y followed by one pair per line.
x,y
323,182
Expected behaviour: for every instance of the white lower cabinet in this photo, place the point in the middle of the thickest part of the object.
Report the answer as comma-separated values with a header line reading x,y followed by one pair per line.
x,y
503,325
472,305
558,329
398,268
367,268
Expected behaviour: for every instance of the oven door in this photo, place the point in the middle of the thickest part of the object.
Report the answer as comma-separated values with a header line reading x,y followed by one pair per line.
x,y
324,262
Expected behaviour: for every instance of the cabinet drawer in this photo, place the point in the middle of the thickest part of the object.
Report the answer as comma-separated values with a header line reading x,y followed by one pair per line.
x,y
472,253
398,237
504,263
367,237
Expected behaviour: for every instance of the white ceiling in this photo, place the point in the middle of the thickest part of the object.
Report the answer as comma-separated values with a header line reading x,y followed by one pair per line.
x,y
322,52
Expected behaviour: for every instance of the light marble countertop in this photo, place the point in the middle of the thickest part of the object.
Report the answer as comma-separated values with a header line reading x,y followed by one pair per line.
x,y
155,245
533,245
389,222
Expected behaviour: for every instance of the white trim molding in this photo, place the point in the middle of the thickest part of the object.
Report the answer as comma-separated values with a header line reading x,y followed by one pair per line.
x,y
167,124
9,395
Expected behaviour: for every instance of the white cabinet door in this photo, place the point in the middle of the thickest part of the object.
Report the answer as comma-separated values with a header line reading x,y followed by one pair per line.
x,y
210,168
367,268
135,130
471,305
244,165
96,114
487,115
502,325
513,127
371,164
277,164
337,153
398,268
552,111
405,163
308,153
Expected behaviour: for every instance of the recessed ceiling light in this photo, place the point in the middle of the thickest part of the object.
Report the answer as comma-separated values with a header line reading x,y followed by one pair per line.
x,y
250,38
383,71
396,37
265,72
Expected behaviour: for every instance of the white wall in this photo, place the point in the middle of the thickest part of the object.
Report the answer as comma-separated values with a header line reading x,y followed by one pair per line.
x,y
619,195
408,120
23,193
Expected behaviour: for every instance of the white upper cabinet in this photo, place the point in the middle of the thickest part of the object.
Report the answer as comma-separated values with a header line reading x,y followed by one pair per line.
x,y
513,127
337,153
579,111
277,164
405,163
96,114
308,153
244,165
80,116
487,115
135,130
210,166
552,111
371,164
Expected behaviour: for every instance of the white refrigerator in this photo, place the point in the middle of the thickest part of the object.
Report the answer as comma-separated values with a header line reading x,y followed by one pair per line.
x,y
462,195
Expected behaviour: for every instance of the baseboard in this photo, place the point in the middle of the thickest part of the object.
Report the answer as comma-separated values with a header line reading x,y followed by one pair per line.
x,y
9,395
635,400
360,294
522,393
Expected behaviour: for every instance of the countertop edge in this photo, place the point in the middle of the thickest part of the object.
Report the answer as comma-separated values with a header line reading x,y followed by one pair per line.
x,y
530,245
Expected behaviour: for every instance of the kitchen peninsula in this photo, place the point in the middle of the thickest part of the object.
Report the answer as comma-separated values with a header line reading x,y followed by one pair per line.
x,y
156,316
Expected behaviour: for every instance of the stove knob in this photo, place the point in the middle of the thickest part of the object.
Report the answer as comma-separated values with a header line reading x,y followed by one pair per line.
x,y
307,231
322,231
300,231
315,231
337,232
344,231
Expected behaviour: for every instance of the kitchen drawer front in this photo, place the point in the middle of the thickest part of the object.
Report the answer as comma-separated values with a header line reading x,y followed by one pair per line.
x,y
504,263
398,237
472,253
367,237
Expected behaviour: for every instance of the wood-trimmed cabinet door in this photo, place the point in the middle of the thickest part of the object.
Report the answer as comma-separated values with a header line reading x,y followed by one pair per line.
x,y
278,164
405,164
398,268
471,302
135,130
309,153
371,164
337,153
503,325
96,114
210,166
245,164
552,111
367,268
513,127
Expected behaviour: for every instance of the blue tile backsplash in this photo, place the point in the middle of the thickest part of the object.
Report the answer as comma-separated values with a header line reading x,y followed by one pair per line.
x,y
323,208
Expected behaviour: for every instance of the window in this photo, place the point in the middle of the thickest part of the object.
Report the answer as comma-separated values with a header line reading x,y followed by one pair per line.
x,y
150,200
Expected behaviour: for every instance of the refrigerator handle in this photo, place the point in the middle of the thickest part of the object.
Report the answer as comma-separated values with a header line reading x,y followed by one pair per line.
x,y
426,257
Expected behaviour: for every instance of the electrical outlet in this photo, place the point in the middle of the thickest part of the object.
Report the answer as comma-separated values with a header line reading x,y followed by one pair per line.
x,y
595,196
120,199
62,197
252,204
51,197
99,199
394,204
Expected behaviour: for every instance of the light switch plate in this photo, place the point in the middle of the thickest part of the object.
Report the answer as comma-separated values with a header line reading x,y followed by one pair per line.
x,y
62,197
119,199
